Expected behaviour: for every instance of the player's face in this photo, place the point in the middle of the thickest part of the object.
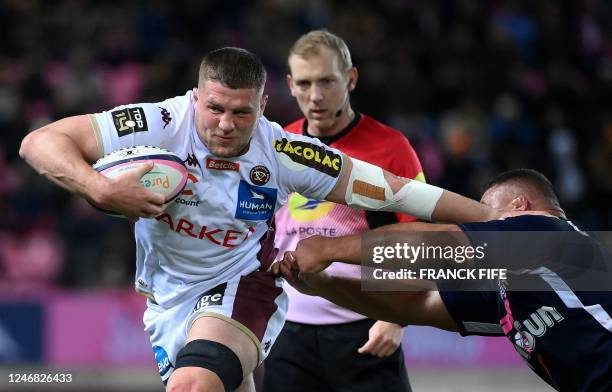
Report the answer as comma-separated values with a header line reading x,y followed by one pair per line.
x,y
321,89
226,118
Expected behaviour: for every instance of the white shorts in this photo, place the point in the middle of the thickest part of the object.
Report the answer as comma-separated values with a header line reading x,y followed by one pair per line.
x,y
255,303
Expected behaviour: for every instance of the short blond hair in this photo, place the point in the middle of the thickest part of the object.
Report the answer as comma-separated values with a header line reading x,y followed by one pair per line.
x,y
310,43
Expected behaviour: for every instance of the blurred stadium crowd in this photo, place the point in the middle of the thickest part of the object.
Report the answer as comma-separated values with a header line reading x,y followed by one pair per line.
x,y
477,86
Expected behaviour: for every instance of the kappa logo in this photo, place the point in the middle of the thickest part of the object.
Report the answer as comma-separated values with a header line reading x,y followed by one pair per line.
x,y
218,164
309,155
213,297
267,345
192,160
129,120
259,175
166,118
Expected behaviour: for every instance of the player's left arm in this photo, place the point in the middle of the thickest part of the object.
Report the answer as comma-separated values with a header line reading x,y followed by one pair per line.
x,y
315,253
365,186
421,305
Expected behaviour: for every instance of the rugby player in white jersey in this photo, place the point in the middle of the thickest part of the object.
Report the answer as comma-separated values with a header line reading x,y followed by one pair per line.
x,y
213,309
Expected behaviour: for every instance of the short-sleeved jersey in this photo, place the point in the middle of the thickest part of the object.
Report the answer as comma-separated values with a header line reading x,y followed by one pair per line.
x,y
565,335
370,141
219,227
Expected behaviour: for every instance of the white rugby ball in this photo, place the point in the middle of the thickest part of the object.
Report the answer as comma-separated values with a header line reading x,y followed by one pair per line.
x,y
168,177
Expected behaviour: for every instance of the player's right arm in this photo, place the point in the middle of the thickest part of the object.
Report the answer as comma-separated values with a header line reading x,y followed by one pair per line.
x,y
63,150
342,179
366,186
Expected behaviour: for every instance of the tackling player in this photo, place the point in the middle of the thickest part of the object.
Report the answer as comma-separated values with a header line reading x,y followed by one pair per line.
x,y
555,305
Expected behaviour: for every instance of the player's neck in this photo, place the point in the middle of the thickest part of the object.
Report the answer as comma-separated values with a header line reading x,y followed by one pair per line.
x,y
553,213
338,126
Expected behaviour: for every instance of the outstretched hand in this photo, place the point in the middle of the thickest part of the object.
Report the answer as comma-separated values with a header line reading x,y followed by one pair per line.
x,y
305,283
308,254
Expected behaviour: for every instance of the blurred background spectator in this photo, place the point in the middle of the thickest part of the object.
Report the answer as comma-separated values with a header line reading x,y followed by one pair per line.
x,y
477,86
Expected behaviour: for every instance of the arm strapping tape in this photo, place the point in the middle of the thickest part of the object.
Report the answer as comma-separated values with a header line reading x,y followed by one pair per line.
x,y
368,189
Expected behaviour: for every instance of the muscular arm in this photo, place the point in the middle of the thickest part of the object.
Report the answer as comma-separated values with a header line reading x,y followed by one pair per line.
x,y
400,307
316,253
411,307
449,207
62,151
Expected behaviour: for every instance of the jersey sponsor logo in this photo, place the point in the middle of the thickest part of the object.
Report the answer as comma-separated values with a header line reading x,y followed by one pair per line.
x,y
162,359
255,202
525,333
165,116
309,155
303,209
227,238
192,179
535,326
218,164
259,175
213,297
188,191
188,203
304,232
129,120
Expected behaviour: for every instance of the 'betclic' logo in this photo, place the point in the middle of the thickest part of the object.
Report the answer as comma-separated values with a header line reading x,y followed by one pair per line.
x,y
218,164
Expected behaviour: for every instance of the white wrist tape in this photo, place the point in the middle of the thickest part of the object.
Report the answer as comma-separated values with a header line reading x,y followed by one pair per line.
x,y
368,189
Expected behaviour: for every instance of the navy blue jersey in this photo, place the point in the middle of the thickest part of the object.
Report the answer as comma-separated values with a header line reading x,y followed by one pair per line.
x,y
564,334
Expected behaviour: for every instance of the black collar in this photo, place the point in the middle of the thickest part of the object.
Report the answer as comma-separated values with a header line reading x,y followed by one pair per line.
x,y
327,140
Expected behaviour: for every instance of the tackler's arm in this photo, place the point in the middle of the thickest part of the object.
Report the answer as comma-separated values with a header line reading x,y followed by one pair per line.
x,y
369,187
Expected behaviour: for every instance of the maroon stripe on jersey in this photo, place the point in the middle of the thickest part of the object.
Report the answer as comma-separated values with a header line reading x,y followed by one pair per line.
x,y
254,303
267,252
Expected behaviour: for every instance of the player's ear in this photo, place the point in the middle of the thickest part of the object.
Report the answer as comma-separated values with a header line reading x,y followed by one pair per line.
x,y
290,84
195,93
353,76
520,203
262,103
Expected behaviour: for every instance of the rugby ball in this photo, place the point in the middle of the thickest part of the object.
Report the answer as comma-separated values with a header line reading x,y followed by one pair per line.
x,y
168,177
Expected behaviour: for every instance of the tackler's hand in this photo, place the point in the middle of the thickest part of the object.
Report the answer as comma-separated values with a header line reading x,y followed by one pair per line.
x,y
308,254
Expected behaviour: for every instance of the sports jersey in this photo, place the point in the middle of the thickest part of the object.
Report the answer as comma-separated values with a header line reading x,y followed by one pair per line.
x,y
565,335
219,227
365,139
